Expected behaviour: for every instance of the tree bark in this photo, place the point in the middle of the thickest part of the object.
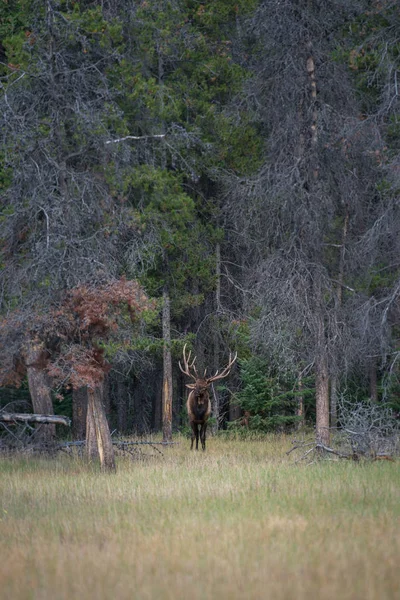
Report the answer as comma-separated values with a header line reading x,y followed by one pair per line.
x,y
322,401
39,388
166,399
167,369
79,411
215,396
218,277
339,300
373,381
300,402
334,401
92,451
161,93
158,402
310,66
98,439
321,363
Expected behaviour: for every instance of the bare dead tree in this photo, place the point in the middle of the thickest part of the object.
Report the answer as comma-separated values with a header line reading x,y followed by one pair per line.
x,y
304,212
367,431
371,430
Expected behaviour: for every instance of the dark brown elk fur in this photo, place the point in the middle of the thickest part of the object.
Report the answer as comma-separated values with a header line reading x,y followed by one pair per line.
x,y
199,409
198,403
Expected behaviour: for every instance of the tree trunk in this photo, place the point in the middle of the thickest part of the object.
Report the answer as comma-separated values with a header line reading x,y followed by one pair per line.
x,y
215,404
167,369
215,396
161,94
40,390
373,381
321,365
98,439
218,278
92,451
322,401
300,402
339,300
310,66
334,401
79,411
157,403
166,410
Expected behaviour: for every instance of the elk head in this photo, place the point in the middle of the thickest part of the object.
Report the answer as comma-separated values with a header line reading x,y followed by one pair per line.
x,y
198,403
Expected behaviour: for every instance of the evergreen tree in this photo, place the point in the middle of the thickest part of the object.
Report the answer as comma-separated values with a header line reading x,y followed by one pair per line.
x,y
114,125
268,401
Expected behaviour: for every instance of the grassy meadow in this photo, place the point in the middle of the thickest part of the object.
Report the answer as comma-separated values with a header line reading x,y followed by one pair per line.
x,y
239,521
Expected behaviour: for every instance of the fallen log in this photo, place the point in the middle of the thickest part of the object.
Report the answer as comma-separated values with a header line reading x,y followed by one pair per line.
x,y
32,418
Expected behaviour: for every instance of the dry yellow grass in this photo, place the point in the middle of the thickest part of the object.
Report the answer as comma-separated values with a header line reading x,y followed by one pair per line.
x,y
240,521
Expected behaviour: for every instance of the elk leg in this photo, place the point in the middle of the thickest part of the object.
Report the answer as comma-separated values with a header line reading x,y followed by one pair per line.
x,y
194,431
197,435
203,435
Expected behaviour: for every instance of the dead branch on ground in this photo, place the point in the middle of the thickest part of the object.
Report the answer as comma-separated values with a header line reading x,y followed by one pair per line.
x,y
367,431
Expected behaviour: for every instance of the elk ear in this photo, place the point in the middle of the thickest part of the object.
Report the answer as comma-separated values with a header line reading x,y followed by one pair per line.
x,y
191,386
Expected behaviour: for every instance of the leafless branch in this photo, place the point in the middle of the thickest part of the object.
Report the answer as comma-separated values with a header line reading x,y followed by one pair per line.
x,y
136,137
368,431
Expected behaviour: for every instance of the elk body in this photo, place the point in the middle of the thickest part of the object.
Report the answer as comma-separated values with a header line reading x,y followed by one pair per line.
x,y
198,404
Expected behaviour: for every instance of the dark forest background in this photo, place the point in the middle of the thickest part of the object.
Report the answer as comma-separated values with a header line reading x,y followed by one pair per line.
x,y
223,174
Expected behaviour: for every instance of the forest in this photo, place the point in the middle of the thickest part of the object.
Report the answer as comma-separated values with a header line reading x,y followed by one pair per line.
x,y
223,174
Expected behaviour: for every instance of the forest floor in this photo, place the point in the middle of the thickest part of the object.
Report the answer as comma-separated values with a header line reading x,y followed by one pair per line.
x,y
239,521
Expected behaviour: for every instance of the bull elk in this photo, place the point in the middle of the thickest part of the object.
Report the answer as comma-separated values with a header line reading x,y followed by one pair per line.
x,y
198,403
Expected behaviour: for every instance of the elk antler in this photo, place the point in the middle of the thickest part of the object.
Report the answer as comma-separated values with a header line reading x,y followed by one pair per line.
x,y
188,365
225,371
